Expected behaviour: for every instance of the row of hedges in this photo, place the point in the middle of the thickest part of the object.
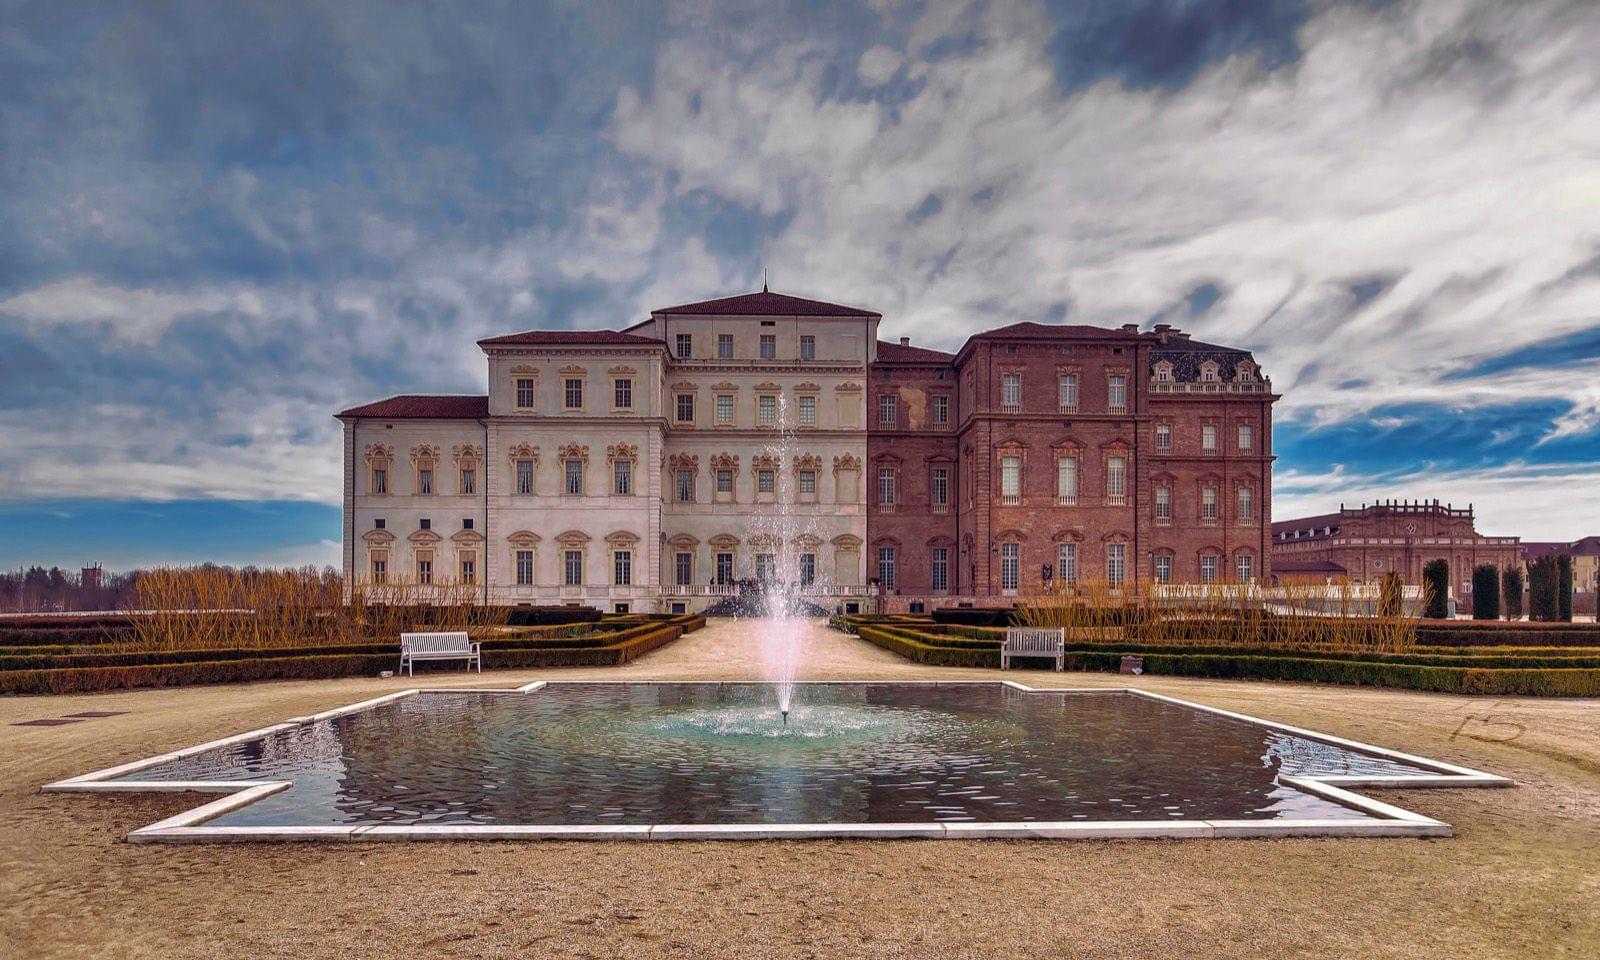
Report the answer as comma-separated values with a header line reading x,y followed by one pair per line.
x,y
1510,675
616,647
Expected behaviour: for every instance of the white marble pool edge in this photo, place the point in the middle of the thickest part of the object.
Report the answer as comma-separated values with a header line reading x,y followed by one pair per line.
x,y
190,826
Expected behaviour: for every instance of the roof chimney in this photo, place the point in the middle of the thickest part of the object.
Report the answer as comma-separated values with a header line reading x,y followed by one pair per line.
x,y
1161,331
1130,328
905,341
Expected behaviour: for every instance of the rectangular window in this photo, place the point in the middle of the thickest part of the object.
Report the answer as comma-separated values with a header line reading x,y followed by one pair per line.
x,y
1163,503
808,411
1067,388
622,568
685,346
1010,566
686,408
1067,563
683,486
769,346
1011,480
574,478
1208,436
941,409
941,568
1011,392
683,568
808,348
1117,393
425,569
724,568
808,483
425,523
1067,481
766,567
380,480
886,489
378,523
1208,568
425,481
767,406
1247,437
1208,503
725,408
573,395
939,489
623,390
572,568
525,477
1245,567
1163,436
525,393
524,568
380,568
808,569
1116,563
724,346
724,481
1163,569
886,567
888,412
1116,481
766,481
466,523
469,569
469,480
622,478
1247,503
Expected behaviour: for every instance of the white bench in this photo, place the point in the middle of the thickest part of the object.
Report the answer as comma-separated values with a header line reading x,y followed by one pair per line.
x,y
1034,642
438,646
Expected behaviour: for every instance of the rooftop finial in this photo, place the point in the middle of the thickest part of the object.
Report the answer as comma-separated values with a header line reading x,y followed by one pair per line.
x,y
763,279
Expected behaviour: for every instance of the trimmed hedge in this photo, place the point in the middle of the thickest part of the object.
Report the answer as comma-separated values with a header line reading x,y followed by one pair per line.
x,y
974,616
615,648
543,616
1485,592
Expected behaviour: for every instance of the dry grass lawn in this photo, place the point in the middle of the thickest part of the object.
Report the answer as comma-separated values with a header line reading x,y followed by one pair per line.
x,y
1521,877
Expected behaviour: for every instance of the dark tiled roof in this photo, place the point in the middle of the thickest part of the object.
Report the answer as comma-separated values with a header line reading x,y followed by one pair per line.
x,y
1307,566
410,406
1540,549
566,336
1058,331
890,352
766,304
1305,523
1186,356
1587,547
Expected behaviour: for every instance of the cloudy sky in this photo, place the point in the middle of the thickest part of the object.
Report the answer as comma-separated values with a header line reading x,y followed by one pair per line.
x,y
223,222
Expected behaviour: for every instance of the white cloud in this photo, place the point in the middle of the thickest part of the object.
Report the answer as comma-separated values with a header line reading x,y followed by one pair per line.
x,y
879,65
132,314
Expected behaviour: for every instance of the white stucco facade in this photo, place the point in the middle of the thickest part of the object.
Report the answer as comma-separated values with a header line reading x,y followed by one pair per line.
x,y
642,469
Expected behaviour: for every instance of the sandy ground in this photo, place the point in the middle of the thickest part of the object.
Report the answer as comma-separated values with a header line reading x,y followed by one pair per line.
x,y
1521,877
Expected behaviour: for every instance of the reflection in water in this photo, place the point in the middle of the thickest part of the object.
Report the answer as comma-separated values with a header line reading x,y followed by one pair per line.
x,y
643,753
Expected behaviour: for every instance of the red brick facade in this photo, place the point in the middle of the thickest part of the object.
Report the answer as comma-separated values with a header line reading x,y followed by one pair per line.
x,y
1193,429
1391,537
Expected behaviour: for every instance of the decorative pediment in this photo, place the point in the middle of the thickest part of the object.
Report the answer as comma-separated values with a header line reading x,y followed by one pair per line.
x,y
846,462
684,540
725,461
424,453
887,460
848,387
379,454
1116,536
1067,445
1115,445
1163,477
808,461
573,451
846,540
725,386
767,386
573,370
622,537
1012,535
466,453
765,540
939,459
1011,445
724,541
524,451
886,542
941,541
523,538
807,387
621,371
806,541
1068,536
684,461
378,538
572,538
622,451
525,369
685,386
467,537
763,461
424,537
1211,476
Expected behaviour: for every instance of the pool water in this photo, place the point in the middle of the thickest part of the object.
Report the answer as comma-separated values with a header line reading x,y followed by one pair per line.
x,y
701,753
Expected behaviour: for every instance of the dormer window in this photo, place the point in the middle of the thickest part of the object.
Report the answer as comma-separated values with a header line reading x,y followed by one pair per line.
x,y
1245,373
1163,372
1208,371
